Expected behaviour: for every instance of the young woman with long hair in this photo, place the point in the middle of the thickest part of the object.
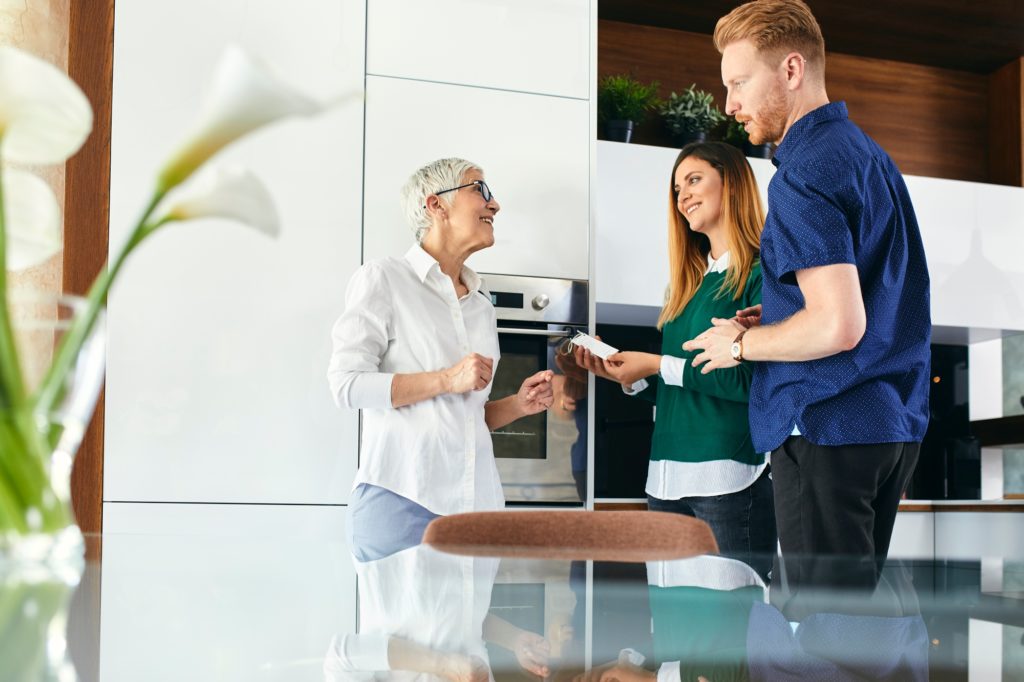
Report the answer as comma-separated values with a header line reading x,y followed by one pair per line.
x,y
702,462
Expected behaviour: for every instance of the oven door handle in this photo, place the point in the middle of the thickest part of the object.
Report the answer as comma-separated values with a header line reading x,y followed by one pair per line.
x,y
536,332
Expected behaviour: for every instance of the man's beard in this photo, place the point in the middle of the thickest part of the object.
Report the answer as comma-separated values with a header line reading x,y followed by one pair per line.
x,y
770,120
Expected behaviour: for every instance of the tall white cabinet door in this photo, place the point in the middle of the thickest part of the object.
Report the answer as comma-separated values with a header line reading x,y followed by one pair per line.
x,y
535,152
219,336
540,46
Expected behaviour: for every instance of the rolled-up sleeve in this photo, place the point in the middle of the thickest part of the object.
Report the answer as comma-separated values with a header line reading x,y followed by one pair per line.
x,y
356,657
359,342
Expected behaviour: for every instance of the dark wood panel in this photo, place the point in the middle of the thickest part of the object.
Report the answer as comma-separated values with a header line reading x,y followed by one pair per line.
x,y
1006,124
952,34
86,216
933,122
620,506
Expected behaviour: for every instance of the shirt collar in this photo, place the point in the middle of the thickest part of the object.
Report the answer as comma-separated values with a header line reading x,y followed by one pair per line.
x,y
422,263
797,134
718,265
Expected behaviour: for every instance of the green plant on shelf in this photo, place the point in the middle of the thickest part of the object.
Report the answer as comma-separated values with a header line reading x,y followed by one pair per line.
x,y
691,113
622,98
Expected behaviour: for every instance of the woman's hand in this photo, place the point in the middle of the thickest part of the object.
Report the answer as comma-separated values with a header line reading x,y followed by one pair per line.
x,y
461,668
532,652
592,363
536,393
471,373
628,367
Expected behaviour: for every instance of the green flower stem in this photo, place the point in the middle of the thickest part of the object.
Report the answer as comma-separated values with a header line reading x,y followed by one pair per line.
x,y
51,390
12,387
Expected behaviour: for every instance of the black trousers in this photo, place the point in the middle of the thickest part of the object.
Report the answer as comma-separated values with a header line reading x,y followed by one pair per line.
x,y
835,507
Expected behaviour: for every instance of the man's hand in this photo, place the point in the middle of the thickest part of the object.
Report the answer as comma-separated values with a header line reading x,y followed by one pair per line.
x,y
749,317
471,373
627,367
536,394
716,344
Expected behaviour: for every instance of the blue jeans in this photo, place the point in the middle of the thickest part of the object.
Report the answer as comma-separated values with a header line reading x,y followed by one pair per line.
x,y
381,523
743,522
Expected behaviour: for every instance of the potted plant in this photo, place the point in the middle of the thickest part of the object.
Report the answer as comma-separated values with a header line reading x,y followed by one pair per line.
x,y
736,135
690,115
622,104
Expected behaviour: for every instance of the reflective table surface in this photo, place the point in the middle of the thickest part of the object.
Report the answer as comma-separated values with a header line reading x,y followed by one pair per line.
x,y
186,607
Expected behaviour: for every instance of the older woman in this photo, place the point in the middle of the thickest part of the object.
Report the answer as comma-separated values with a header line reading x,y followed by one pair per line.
x,y
415,350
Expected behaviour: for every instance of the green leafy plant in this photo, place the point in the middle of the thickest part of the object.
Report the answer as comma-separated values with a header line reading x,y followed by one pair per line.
x,y
691,112
734,133
622,98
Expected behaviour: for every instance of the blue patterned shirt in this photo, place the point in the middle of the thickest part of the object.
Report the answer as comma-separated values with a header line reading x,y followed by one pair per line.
x,y
837,197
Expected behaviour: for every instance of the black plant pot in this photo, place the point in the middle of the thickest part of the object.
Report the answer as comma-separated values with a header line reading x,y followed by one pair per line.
x,y
619,130
759,151
683,139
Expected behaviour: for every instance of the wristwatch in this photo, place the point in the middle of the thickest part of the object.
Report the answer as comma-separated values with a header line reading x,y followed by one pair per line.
x,y
737,347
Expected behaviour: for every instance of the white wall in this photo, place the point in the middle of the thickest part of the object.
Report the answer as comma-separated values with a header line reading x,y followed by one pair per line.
x,y
973,234
219,337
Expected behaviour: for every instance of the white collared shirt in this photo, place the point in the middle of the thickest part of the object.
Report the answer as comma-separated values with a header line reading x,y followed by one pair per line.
x,y
402,316
435,600
671,480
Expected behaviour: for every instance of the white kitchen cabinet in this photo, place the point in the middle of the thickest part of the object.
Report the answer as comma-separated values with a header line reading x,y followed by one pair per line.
x,y
539,46
973,234
219,337
535,152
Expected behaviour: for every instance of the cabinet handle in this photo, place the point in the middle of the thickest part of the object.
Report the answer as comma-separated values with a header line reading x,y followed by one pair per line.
x,y
536,332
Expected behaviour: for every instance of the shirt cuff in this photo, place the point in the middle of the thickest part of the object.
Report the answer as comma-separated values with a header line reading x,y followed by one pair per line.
x,y
672,370
638,385
669,672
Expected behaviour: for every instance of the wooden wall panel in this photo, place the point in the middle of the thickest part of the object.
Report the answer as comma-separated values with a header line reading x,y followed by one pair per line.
x,y
86,215
1006,124
932,121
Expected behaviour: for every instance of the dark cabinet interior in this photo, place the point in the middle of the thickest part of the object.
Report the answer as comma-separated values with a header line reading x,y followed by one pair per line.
x,y
949,466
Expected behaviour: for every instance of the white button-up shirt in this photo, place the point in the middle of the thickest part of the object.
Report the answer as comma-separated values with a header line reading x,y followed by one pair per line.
x,y
402,316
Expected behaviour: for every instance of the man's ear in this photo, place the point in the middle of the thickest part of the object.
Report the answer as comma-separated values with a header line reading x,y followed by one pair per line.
x,y
795,68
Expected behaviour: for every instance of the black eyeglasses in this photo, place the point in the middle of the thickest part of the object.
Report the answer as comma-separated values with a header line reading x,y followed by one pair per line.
x,y
485,191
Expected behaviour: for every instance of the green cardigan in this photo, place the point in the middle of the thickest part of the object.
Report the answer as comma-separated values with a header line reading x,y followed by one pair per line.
x,y
706,419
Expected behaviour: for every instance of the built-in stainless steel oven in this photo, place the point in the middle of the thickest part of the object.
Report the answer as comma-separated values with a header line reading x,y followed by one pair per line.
x,y
542,458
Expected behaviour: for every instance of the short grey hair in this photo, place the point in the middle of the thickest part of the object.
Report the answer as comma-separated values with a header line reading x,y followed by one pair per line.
x,y
434,177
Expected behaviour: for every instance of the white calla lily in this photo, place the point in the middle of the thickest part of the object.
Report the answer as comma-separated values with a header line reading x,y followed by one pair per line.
x,y
44,116
244,97
232,193
32,219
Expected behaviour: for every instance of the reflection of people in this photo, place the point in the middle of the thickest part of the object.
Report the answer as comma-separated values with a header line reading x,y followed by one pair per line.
x,y
570,391
416,350
423,611
702,461
710,622
841,353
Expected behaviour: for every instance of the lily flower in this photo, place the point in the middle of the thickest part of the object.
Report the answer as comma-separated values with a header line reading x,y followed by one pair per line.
x,y
234,193
44,116
244,97
32,219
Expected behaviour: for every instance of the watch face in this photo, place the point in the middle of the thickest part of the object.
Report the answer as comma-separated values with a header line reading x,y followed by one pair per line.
x,y
736,350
